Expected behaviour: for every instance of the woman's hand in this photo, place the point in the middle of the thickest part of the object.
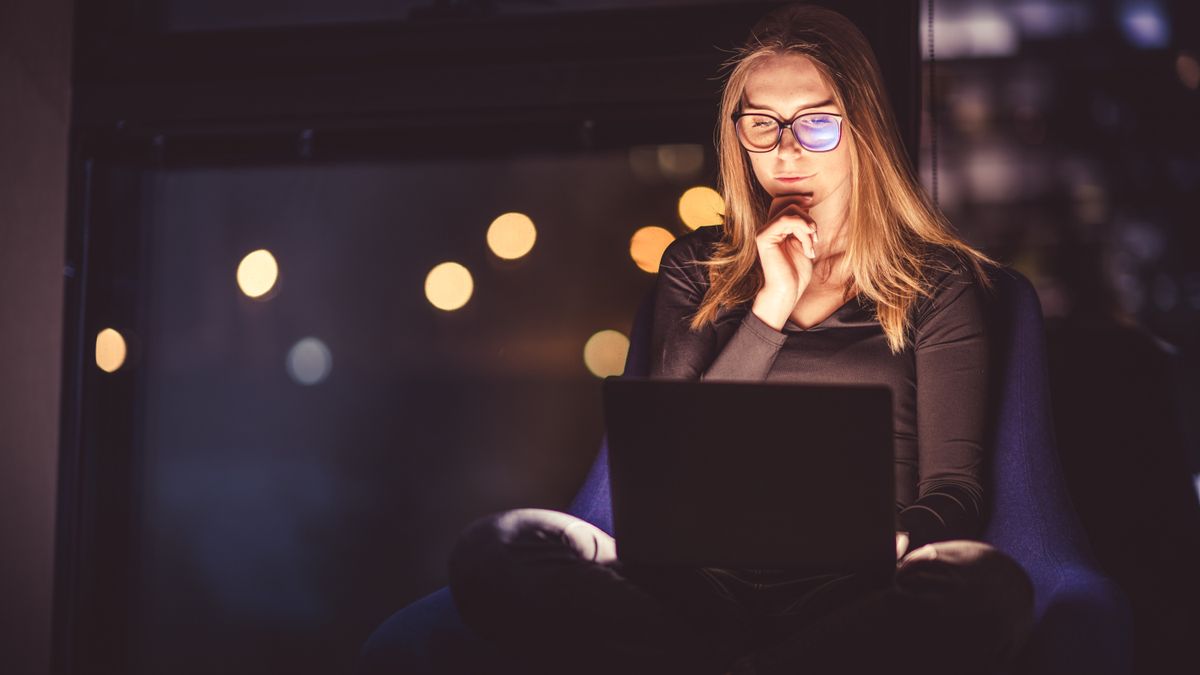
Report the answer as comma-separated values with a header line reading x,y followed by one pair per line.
x,y
786,251
901,544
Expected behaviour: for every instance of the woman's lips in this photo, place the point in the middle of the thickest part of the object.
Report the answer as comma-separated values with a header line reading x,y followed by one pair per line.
x,y
791,179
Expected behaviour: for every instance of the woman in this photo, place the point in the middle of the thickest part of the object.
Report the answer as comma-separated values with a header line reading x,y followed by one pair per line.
x,y
831,267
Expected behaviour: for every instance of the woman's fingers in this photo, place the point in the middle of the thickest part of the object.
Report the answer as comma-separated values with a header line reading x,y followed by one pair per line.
x,y
801,245
784,226
787,245
790,213
803,232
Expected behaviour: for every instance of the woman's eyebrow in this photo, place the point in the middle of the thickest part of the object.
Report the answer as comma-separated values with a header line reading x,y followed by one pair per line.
x,y
820,104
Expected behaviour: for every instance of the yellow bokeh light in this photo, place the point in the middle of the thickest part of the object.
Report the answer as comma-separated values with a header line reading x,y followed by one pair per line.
x,y
647,245
511,235
604,354
701,206
110,350
257,273
448,286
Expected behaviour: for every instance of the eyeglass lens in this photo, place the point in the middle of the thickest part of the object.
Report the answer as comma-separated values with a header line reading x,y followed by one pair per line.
x,y
816,132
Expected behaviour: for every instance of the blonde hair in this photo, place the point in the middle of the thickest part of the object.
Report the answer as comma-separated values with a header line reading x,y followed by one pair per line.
x,y
890,220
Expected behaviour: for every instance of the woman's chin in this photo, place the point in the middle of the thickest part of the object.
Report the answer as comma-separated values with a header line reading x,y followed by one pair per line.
x,y
807,197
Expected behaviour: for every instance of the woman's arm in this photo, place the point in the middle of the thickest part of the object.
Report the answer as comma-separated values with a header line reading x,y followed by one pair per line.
x,y
710,353
950,344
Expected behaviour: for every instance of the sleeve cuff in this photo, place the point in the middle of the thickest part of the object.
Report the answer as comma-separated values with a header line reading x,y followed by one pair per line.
x,y
923,525
763,330
749,353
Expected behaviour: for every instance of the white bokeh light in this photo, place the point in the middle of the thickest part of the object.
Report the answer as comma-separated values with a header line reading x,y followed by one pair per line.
x,y
309,361
257,273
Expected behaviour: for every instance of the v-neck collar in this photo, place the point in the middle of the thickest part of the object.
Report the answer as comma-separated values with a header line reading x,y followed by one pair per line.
x,y
792,326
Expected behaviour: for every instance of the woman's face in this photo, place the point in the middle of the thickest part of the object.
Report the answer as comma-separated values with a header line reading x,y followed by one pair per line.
x,y
785,86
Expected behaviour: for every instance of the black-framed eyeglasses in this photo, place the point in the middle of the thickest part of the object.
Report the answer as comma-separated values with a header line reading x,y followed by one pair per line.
x,y
815,132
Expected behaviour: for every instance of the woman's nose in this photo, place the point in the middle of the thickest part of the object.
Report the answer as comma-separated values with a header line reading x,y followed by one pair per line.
x,y
788,145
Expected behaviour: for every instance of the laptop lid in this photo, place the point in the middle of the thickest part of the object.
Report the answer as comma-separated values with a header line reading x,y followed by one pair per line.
x,y
751,474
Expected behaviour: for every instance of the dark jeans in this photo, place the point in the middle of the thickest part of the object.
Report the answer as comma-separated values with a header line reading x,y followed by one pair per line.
x,y
547,589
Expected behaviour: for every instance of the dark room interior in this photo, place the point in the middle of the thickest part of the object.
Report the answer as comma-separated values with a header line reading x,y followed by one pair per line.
x,y
293,293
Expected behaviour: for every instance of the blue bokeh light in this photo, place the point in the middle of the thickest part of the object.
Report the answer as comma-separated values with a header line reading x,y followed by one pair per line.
x,y
1145,24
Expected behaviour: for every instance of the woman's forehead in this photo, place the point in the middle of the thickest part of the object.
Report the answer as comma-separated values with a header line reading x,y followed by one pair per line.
x,y
786,83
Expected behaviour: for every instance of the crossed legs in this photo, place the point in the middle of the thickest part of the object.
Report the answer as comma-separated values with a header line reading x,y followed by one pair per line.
x,y
548,589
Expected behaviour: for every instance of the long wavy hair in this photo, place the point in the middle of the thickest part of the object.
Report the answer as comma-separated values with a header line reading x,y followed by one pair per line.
x,y
891,221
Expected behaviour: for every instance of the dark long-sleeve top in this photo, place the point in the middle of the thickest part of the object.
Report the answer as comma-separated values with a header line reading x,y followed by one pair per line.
x,y
938,381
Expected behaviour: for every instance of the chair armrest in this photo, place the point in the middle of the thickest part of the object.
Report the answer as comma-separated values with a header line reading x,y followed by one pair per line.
x,y
593,502
1084,625
428,637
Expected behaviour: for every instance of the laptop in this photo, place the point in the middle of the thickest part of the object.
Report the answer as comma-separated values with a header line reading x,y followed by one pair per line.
x,y
751,474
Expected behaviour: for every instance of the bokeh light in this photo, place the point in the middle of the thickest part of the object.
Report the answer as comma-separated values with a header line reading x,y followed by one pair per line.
x,y
1188,70
110,350
605,352
680,161
674,162
257,273
643,161
974,32
700,206
511,235
646,247
309,361
449,286
1144,23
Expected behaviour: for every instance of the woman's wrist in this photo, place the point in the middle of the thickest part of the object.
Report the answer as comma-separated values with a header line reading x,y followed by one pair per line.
x,y
772,309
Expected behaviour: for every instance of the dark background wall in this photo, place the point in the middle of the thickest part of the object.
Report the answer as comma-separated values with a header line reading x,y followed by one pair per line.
x,y
35,97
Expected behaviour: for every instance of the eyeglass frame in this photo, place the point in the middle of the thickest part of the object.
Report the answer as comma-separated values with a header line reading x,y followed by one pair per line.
x,y
780,125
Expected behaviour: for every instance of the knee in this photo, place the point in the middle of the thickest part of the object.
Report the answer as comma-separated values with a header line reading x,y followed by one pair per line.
x,y
482,547
477,567
476,544
992,580
977,566
503,561
493,549
978,588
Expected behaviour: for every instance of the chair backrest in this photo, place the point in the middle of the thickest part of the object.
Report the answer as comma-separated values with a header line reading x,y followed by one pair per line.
x,y
593,502
1031,517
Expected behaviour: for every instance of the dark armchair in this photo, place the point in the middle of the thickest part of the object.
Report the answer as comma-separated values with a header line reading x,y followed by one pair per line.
x,y
1082,619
